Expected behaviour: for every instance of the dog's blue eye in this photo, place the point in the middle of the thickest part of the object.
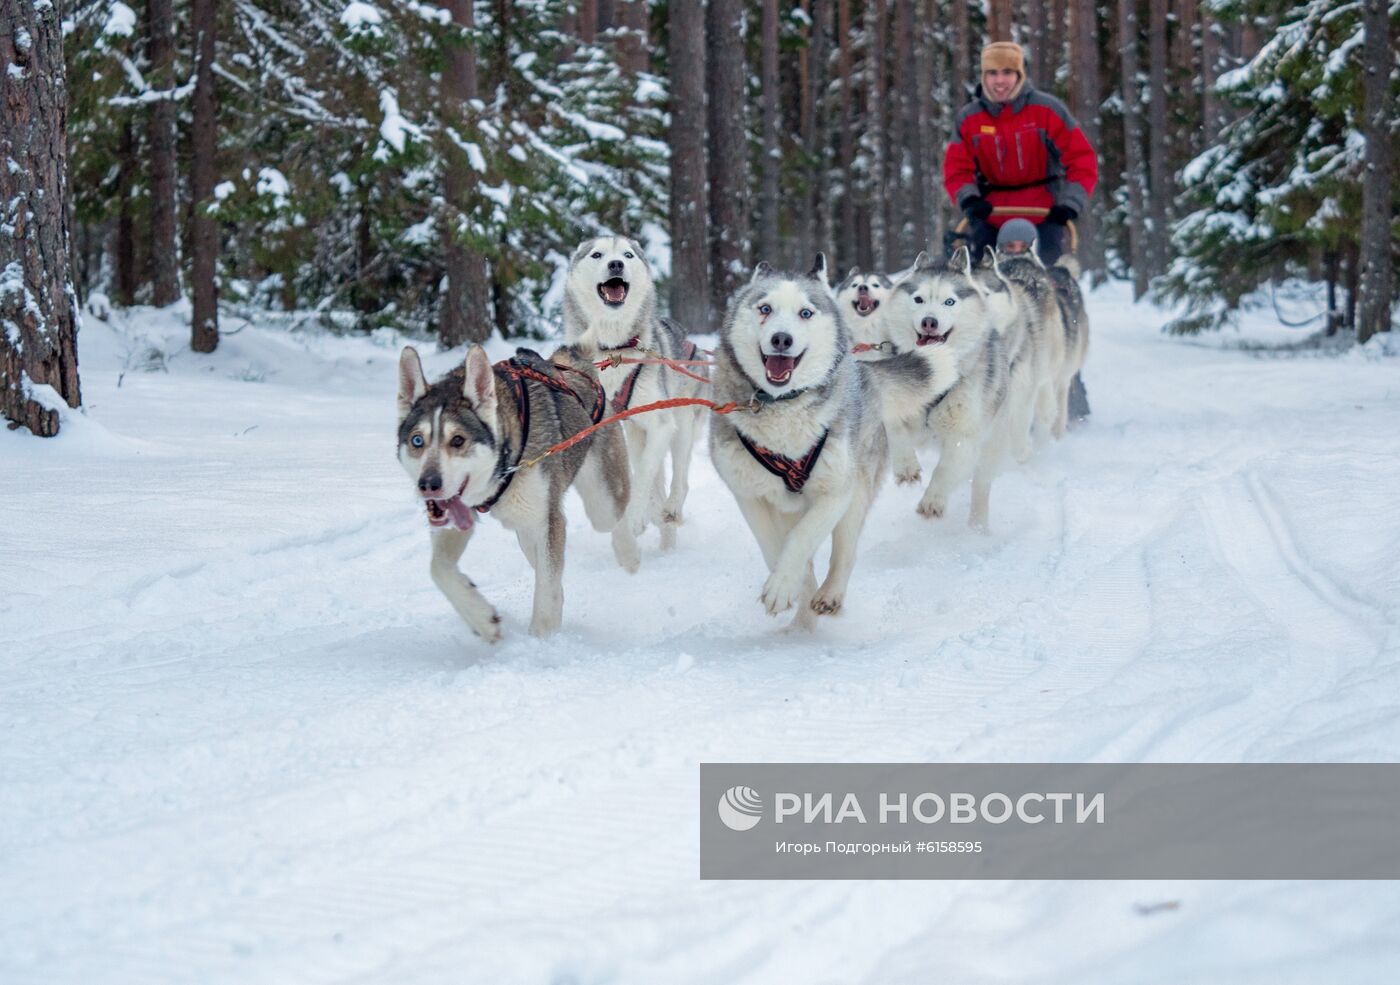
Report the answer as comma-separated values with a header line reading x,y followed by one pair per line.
x,y
628,255
918,299
765,309
596,255
949,302
417,441
805,313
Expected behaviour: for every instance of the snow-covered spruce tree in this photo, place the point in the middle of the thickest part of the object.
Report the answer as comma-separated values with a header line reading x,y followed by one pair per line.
x,y
1282,185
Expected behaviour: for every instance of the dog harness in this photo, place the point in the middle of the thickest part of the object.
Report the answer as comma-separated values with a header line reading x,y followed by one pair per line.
x,y
516,371
793,471
623,398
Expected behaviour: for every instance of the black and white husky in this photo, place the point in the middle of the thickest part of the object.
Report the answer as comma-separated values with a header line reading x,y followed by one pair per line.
x,y
806,459
610,311
462,440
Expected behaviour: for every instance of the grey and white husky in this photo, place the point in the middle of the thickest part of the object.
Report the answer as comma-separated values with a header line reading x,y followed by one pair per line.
x,y
861,296
462,439
610,311
806,461
951,383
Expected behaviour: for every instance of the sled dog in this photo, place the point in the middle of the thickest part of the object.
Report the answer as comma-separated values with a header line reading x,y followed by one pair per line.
x,y
462,439
862,299
806,458
610,311
951,382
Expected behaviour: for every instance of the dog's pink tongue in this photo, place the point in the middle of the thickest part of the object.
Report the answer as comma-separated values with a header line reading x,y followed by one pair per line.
x,y
461,513
778,368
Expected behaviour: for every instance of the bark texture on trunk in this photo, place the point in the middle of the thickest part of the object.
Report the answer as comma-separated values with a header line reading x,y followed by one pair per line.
x,y
38,310
160,52
1161,182
204,230
728,149
768,167
690,261
1377,280
468,295
1132,141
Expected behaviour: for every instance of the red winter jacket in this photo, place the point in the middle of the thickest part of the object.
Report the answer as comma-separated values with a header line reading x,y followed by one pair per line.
x,y
1029,151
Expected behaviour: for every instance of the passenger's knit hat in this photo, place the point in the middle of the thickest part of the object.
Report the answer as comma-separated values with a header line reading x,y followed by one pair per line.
x,y
1016,231
1004,54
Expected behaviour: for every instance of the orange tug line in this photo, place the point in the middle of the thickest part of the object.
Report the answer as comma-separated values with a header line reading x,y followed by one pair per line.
x,y
672,402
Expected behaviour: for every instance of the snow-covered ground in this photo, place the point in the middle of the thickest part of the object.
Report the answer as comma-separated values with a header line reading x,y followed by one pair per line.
x,y
246,739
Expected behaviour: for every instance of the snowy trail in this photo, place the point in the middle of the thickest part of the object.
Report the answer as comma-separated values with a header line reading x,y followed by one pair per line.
x,y
249,741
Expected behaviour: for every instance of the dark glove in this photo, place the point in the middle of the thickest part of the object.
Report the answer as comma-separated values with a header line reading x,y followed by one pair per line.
x,y
977,208
1062,214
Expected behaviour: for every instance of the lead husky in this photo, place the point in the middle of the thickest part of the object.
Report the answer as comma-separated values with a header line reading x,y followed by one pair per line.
x,y
807,462
461,440
951,383
610,309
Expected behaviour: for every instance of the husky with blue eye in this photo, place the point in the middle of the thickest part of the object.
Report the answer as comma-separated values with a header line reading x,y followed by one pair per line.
x,y
952,383
464,439
807,456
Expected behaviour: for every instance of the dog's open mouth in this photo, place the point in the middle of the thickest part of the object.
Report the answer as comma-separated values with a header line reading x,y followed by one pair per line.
x,y
865,305
613,292
935,338
778,368
454,511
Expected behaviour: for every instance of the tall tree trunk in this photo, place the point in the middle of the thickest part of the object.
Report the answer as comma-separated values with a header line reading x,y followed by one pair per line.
x,y
1132,141
160,52
921,148
125,247
1161,183
204,230
965,74
847,237
1049,72
875,130
1211,117
38,311
468,293
998,20
936,114
588,20
1037,47
690,261
728,149
1087,94
901,208
819,140
768,166
1377,284
633,27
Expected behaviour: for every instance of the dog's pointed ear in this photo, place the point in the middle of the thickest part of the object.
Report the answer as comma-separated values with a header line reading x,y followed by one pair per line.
x,y
480,385
961,261
818,271
762,270
851,274
412,383
923,261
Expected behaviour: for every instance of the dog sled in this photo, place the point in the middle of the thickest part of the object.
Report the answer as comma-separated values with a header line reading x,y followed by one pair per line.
x,y
961,234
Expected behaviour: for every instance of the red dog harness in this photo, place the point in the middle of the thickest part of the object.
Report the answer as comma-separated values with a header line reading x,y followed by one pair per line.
x,y
793,471
517,371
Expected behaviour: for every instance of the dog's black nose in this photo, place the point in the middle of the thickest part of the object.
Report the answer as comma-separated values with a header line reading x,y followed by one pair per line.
x,y
863,289
615,266
781,341
929,324
432,482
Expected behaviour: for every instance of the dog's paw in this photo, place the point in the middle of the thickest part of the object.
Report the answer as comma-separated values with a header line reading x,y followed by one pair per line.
x,y
932,507
908,477
626,551
489,629
827,602
541,627
780,591
672,517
